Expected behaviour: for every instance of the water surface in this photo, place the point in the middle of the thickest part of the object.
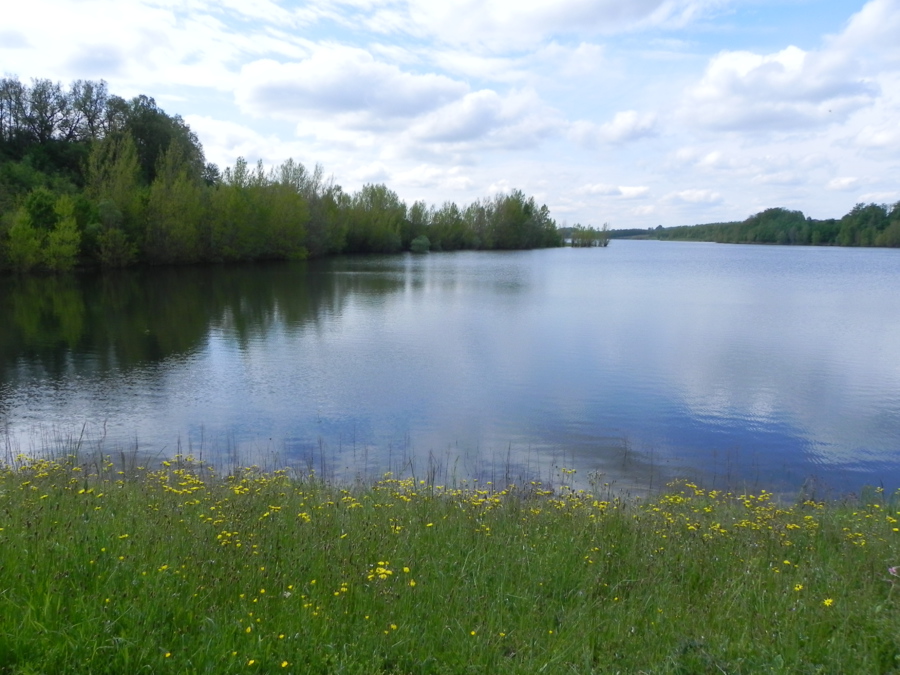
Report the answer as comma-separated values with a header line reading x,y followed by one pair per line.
x,y
739,365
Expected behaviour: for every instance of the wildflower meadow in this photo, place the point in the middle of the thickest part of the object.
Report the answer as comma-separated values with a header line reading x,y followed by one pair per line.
x,y
111,568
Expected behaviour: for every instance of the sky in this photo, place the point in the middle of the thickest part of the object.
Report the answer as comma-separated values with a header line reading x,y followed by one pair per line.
x,y
635,113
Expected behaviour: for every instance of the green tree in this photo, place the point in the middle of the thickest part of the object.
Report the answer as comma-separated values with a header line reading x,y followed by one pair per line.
x,y
154,132
64,240
420,244
174,211
449,230
115,249
232,231
23,245
376,219
891,235
41,207
516,222
415,224
288,212
113,176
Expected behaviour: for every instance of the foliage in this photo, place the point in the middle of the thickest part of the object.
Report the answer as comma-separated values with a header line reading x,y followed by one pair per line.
x,y
582,236
173,211
420,244
864,225
64,241
113,181
114,249
23,245
375,219
144,193
155,133
114,566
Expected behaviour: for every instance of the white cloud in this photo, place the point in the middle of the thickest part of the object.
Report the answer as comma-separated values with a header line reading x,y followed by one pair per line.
x,y
376,172
779,178
599,189
886,197
501,186
843,183
424,176
518,119
13,39
604,190
341,80
873,32
695,196
224,141
626,126
468,64
790,89
517,24
224,134
548,63
880,137
468,118
634,191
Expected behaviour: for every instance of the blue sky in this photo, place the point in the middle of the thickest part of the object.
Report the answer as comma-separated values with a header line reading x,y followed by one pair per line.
x,y
634,113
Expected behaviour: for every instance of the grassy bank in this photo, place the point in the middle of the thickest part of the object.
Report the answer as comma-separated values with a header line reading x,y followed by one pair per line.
x,y
112,569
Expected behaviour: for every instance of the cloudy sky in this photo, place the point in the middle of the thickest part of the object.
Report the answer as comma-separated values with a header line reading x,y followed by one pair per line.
x,y
632,112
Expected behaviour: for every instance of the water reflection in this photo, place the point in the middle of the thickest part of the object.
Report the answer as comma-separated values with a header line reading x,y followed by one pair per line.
x,y
750,365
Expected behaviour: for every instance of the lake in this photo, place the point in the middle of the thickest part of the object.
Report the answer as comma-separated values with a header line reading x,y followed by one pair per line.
x,y
739,366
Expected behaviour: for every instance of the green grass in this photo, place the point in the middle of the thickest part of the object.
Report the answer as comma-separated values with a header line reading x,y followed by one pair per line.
x,y
177,570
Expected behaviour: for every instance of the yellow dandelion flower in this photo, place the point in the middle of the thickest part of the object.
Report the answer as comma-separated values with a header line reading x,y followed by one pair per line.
x,y
284,664
251,662
828,602
798,587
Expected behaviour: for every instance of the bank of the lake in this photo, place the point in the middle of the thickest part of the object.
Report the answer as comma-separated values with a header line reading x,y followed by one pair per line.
x,y
864,225
111,568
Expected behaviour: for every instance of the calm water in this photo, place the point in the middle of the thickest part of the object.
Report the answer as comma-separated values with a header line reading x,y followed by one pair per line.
x,y
739,365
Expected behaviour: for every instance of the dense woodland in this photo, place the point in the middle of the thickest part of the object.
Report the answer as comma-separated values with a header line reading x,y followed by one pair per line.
x,y
88,178
865,225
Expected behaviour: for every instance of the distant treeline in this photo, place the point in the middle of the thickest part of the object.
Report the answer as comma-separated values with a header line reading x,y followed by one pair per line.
x,y
88,178
865,225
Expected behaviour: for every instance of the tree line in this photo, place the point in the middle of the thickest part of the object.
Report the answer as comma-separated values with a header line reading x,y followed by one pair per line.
x,y
865,225
88,178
